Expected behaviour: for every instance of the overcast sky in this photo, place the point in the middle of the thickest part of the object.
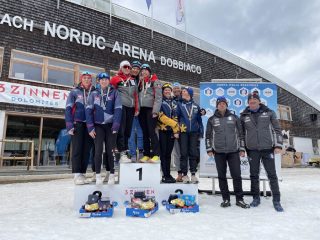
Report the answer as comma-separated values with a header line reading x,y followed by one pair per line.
x,y
282,37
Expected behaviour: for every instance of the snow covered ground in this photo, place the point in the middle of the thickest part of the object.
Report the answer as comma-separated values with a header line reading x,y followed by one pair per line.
x,y
44,210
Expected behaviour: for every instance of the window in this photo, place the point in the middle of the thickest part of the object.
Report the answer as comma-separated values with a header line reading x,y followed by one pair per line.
x,y
20,128
55,147
32,67
1,59
284,113
51,141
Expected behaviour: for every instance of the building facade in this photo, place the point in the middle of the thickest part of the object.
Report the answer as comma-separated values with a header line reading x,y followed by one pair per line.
x,y
45,45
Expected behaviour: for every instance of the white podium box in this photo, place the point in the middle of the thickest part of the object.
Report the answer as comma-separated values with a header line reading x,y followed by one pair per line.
x,y
134,177
140,174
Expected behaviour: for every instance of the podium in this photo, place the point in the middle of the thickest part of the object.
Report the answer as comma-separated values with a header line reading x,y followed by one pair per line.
x,y
134,177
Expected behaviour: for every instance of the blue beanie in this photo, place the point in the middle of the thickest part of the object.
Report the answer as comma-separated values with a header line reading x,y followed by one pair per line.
x,y
176,84
221,99
146,66
189,90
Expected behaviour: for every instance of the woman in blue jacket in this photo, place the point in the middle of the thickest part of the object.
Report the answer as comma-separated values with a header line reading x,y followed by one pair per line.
x,y
76,126
168,131
103,114
191,129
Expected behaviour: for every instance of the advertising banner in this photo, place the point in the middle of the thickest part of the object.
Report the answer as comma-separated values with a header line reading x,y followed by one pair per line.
x,y
16,93
236,95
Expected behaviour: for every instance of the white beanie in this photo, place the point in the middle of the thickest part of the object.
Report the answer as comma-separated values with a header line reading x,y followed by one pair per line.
x,y
124,63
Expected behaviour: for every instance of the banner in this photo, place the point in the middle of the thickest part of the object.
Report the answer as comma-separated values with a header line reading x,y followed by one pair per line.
x,y
16,93
236,95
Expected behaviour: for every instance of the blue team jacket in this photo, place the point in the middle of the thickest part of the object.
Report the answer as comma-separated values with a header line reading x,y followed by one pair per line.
x,y
75,106
103,109
192,123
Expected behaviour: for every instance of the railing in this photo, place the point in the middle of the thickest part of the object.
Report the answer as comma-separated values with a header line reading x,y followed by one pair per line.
x,y
28,159
165,29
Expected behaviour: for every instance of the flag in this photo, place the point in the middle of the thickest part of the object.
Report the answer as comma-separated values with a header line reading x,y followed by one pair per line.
x,y
180,13
148,3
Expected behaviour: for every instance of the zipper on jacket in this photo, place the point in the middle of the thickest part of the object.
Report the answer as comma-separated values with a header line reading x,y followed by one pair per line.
x,y
191,115
246,140
225,131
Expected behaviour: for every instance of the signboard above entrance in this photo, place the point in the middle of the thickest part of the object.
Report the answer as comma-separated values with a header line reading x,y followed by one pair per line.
x,y
92,40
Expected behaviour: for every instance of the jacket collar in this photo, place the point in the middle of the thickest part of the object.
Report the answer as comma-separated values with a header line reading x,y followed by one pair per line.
x,y
187,102
262,108
218,114
92,88
123,76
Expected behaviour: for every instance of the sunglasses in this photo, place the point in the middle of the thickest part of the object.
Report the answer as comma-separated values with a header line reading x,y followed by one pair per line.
x,y
126,67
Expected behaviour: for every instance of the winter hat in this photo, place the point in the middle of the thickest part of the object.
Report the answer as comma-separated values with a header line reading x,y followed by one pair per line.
x,y
220,100
166,85
176,84
103,75
189,90
146,66
253,95
125,63
84,74
136,64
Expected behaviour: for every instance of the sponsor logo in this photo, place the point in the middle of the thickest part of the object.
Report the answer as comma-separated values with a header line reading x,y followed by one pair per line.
x,y
231,92
208,91
220,91
268,92
237,102
243,92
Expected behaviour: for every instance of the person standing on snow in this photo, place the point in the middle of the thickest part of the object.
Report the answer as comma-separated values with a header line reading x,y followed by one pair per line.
x,y
150,98
191,129
263,139
224,140
168,131
176,89
135,141
128,92
75,118
103,113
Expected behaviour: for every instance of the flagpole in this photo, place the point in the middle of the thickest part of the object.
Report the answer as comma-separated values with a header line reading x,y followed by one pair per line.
x,y
185,25
110,11
152,18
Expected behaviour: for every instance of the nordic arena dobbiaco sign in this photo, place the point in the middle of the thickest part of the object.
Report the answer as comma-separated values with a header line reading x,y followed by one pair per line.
x,y
91,40
236,95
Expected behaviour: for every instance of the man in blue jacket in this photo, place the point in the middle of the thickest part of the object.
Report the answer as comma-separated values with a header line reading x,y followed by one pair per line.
x,y
76,126
191,129
103,114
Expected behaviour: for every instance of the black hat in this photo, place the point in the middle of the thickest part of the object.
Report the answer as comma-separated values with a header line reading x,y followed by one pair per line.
x,y
146,66
255,95
136,63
